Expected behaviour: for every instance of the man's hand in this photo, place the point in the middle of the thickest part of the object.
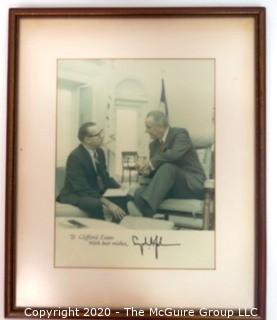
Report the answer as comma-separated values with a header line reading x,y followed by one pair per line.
x,y
115,210
144,169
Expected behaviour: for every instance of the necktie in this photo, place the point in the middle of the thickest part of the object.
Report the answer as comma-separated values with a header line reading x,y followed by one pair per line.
x,y
161,146
100,181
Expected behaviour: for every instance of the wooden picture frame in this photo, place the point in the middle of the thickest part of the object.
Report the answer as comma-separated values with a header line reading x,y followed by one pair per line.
x,y
14,188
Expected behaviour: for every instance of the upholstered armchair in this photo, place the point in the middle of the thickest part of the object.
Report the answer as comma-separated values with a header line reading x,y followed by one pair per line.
x,y
63,209
193,213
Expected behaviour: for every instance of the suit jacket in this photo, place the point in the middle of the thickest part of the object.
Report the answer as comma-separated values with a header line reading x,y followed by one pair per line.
x,y
178,150
81,176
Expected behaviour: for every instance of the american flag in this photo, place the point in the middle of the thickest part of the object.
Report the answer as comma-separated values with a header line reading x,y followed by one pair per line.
x,y
163,102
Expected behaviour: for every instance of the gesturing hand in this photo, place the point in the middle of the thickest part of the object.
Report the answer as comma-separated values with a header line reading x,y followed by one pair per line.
x,y
116,211
144,169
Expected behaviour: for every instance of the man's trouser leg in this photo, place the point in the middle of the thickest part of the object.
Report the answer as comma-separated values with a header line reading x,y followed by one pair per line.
x,y
149,198
121,201
92,206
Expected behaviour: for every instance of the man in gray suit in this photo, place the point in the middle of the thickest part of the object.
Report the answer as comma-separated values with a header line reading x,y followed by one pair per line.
x,y
173,166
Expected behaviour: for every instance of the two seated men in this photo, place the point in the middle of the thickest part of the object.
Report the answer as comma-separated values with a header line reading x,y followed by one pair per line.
x,y
173,167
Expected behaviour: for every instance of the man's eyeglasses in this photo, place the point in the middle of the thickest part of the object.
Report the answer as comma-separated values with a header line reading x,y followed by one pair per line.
x,y
96,134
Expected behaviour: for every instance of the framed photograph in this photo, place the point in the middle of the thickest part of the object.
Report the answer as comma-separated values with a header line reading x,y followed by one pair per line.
x,y
136,163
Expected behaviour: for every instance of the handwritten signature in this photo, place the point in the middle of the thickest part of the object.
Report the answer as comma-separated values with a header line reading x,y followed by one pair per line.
x,y
152,241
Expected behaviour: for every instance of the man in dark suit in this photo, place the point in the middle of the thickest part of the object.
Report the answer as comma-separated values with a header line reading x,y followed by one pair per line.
x,y
87,177
173,167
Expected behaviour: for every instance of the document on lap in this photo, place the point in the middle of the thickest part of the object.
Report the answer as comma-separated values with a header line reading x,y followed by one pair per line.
x,y
115,193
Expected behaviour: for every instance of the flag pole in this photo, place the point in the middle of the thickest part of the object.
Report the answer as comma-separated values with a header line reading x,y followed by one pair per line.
x,y
163,100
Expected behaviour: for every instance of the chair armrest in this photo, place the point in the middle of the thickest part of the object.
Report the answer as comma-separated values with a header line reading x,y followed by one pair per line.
x,y
209,184
209,188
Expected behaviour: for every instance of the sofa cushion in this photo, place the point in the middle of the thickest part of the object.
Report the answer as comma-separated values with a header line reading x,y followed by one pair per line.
x,y
67,210
142,223
183,205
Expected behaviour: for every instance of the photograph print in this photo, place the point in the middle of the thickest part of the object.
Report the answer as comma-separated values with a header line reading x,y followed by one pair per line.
x,y
135,165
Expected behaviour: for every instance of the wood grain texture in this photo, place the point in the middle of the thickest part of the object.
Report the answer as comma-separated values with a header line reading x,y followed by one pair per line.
x,y
15,16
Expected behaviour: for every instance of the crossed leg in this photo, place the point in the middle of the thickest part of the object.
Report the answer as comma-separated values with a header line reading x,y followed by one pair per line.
x,y
168,181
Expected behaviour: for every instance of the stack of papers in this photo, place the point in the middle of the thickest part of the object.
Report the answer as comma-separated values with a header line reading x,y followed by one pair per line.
x,y
115,193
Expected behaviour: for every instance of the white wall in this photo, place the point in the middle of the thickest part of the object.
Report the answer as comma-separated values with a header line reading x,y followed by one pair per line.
x,y
188,83
271,111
